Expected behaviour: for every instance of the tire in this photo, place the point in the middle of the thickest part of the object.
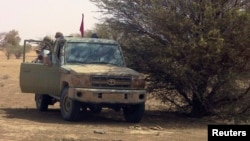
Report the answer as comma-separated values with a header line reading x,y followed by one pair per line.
x,y
42,102
134,113
70,109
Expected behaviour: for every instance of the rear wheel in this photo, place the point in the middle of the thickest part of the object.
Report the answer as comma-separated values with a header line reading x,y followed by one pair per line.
x,y
70,109
42,101
134,113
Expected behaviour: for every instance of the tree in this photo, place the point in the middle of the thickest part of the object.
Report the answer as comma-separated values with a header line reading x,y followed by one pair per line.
x,y
102,30
198,48
11,43
105,31
2,35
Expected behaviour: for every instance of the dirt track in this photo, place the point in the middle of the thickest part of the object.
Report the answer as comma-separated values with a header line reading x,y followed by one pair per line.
x,y
20,121
26,123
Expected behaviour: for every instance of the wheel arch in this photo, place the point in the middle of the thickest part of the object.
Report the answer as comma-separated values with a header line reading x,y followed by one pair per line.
x,y
64,84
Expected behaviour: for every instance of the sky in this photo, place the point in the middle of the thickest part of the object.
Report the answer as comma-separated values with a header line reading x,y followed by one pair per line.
x,y
35,19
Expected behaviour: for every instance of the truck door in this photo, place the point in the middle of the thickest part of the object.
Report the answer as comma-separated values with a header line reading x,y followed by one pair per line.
x,y
39,78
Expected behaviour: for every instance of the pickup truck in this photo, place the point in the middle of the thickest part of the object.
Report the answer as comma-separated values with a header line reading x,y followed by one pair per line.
x,y
84,74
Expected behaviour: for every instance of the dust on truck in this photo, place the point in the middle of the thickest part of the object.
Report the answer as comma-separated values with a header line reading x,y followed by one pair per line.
x,y
84,74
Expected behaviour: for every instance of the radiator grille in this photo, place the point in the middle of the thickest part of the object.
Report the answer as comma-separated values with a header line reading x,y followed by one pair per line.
x,y
111,81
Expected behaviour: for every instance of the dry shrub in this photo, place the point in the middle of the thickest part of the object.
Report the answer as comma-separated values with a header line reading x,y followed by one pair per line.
x,y
170,100
232,100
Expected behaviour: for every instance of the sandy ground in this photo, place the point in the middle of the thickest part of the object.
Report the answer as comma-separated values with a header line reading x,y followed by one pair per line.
x,y
20,121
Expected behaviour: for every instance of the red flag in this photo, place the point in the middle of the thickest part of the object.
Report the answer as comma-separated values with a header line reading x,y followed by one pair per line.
x,y
82,26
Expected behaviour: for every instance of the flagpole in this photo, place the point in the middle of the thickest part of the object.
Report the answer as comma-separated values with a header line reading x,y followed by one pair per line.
x,y
82,26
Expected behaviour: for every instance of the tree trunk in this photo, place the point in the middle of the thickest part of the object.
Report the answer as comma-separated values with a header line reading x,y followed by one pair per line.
x,y
198,106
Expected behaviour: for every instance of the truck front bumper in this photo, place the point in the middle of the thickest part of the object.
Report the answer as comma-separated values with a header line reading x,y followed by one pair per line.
x,y
107,96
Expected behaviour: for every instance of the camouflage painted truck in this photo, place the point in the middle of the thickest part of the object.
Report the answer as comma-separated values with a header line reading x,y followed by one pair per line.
x,y
84,74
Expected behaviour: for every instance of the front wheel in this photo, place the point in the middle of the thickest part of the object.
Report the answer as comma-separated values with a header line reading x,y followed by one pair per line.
x,y
134,113
42,101
70,109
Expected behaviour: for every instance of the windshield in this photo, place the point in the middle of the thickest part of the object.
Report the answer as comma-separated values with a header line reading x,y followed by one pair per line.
x,y
93,53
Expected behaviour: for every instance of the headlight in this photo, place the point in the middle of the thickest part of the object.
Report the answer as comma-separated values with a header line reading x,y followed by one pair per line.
x,y
80,81
138,82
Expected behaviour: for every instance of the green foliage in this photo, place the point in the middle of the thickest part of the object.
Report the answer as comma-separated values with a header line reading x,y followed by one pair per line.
x,y
18,52
12,38
11,44
194,47
13,50
103,31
